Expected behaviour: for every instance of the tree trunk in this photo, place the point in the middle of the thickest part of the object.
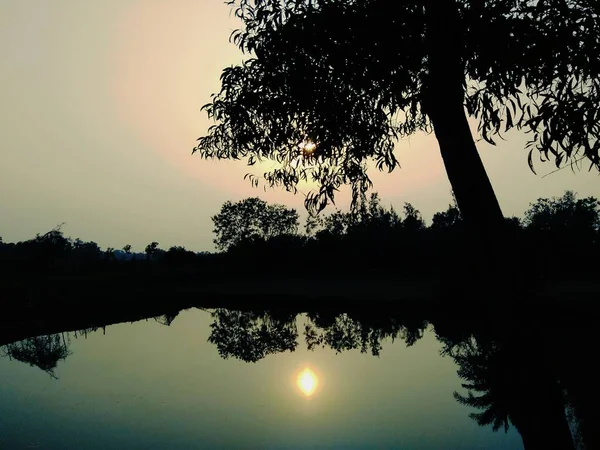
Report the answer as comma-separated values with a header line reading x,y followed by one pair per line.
x,y
542,421
444,104
445,107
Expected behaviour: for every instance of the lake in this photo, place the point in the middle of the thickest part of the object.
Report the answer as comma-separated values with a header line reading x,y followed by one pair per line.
x,y
145,385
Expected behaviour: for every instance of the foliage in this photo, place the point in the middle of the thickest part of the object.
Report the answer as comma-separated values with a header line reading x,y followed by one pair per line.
x,y
448,219
564,214
511,381
251,336
252,219
353,76
558,237
178,255
41,351
345,332
563,234
151,250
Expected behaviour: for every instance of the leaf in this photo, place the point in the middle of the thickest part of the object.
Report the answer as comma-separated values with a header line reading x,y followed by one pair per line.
x,y
509,122
530,161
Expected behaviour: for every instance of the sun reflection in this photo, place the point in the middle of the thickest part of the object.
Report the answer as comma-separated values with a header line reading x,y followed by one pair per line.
x,y
307,382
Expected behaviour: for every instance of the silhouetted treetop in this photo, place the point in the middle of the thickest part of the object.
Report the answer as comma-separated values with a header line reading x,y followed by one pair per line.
x,y
251,219
350,77
447,219
566,213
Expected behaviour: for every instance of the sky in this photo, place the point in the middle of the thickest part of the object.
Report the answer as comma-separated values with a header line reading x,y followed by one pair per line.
x,y
100,109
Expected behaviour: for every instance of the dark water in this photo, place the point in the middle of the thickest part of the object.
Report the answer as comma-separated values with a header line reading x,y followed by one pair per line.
x,y
149,386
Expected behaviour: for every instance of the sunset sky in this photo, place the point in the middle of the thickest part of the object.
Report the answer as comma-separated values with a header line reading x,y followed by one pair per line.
x,y
100,109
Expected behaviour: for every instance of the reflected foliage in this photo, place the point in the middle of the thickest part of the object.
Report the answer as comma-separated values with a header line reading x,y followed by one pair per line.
x,y
531,368
365,332
522,376
250,336
40,351
167,318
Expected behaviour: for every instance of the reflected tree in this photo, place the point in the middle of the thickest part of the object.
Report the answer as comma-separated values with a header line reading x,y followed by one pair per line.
x,y
41,351
510,382
167,318
343,332
250,336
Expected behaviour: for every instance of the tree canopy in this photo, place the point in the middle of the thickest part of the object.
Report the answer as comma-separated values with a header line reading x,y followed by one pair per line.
x,y
566,214
250,219
329,85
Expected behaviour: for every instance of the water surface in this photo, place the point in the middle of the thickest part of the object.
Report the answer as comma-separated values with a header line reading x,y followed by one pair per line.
x,y
149,386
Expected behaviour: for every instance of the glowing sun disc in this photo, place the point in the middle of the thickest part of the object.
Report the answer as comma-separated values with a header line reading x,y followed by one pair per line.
x,y
307,147
307,382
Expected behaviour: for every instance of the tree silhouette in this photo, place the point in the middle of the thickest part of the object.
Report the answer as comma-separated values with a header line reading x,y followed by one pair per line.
x,y
366,331
250,336
151,250
565,214
178,256
167,318
344,79
41,351
252,219
85,251
515,386
446,220
562,232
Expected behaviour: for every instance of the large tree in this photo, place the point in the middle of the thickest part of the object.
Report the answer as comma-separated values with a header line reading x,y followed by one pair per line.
x,y
331,84
251,219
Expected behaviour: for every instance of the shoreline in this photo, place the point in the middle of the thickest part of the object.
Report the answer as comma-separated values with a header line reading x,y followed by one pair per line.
x,y
61,307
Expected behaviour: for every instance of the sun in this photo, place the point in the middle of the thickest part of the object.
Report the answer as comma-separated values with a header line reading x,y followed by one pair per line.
x,y
307,148
307,382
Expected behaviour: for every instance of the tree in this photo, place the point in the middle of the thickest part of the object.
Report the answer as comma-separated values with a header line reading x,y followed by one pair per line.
x,y
151,250
413,221
178,255
446,220
344,79
42,351
252,219
563,233
366,331
516,386
86,251
565,214
127,249
109,253
250,336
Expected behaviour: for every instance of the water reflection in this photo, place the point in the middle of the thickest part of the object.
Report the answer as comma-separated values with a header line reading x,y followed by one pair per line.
x,y
250,336
40,351
307,381
522,374
511,383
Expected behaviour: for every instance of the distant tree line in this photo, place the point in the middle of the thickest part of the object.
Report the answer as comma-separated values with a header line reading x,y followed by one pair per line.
x,y
557,237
